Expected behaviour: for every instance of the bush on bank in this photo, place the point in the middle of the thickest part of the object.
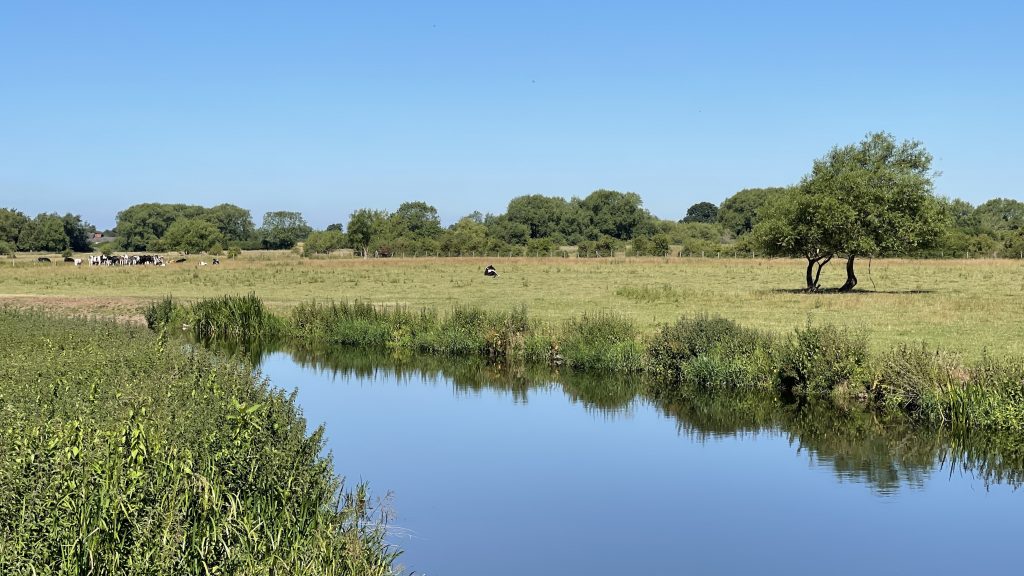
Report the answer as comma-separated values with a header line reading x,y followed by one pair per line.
x,y
123,452
711,352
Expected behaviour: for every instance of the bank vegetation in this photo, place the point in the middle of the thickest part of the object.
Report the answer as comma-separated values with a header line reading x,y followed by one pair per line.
x,y
925,384
124,452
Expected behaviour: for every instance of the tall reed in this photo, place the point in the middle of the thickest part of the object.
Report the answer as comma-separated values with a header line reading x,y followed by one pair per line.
x,y
238,317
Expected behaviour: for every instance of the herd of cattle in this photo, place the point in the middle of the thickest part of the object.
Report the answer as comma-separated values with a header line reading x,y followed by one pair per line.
x,y
125,260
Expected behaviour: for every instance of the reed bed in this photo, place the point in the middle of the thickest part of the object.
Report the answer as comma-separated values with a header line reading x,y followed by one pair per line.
x,y
122,451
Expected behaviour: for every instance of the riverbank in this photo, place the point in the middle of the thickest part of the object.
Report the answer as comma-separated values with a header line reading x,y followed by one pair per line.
x,y
121,451
815,361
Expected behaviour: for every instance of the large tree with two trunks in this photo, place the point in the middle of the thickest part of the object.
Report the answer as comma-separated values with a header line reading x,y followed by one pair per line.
x,y
873,198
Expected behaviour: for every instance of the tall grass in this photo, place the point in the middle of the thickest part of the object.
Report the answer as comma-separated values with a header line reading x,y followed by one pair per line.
x,y
236,317
352,323
601,341
464,331
122,452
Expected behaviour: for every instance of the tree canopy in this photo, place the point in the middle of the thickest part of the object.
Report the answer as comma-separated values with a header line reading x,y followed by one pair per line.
x,y
543,215
741,211
191,235
11,223
234,223
323,242
1000,214
705,212
141,226
870,198
619,215
415,220
283,229
44,233
366,226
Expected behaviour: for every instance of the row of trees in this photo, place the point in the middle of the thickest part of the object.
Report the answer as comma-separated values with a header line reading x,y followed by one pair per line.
x,y
873,198
604,220
44,233
155,226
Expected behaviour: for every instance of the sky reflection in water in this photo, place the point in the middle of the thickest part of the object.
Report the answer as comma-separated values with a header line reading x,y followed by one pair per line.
x,y
504,473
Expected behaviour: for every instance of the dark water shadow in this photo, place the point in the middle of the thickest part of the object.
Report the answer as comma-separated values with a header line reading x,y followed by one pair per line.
x,y
885,453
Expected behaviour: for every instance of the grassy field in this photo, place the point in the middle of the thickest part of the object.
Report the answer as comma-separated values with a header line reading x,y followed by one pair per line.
x,y
970,306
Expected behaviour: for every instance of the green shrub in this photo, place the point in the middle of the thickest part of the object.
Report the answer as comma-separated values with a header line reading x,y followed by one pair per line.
x,y
715,371
508,336
602,341
711,351
916,381
162,313
462,332
824,361
993,397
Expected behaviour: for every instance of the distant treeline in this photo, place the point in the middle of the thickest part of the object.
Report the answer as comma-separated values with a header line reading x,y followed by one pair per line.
x,y
598,225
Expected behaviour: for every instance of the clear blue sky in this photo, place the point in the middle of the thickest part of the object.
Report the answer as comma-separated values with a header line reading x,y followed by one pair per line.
x,y
326,107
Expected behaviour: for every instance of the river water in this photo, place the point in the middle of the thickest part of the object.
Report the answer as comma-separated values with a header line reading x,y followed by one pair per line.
x,y
492,473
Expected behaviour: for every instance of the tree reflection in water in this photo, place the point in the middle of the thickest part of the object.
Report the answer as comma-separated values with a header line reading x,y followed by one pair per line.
x,y
886,453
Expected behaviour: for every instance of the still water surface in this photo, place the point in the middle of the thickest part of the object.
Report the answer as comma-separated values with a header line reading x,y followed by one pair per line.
x,y
502,475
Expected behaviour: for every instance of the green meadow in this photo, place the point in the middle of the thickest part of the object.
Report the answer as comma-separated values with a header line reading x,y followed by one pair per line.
x,y
969,306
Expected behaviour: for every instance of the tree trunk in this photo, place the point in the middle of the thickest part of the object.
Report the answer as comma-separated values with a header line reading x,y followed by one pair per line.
x,y
817,276
851,278
814,276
